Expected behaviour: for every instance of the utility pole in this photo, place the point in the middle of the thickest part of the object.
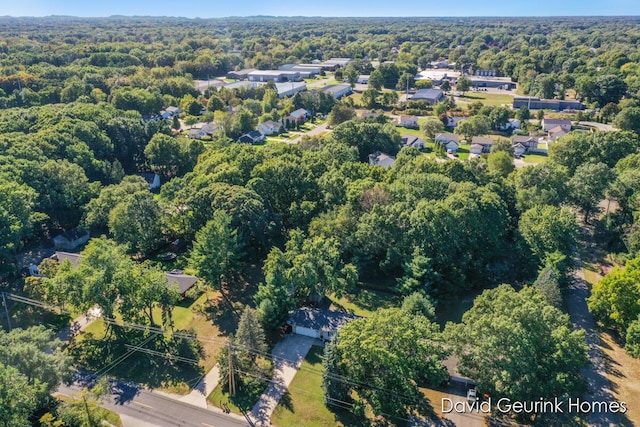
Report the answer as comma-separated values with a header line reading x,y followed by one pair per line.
x,y
232,382
6,310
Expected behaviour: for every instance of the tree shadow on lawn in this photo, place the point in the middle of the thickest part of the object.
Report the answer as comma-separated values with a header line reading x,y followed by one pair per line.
x,y
106,356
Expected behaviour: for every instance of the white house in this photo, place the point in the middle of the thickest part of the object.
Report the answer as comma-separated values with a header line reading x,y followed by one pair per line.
x,y
381,159
511,125
483,141
269,127
315,323
519,149
450,141
407,121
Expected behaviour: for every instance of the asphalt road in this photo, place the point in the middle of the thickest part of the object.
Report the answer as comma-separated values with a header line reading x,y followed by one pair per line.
x,y
143,408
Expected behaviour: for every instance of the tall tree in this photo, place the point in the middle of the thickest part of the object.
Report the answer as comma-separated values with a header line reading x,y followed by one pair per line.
x,y
587,186
17,398
431,127
549,229
385,358
516,345
615,300
250,335
38,356
165,154
216,251
136,222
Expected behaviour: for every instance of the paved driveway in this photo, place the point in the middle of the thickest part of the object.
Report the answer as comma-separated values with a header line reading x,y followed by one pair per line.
x,y
288,356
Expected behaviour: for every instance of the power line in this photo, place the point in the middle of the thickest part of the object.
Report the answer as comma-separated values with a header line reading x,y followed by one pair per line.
x,y
159,331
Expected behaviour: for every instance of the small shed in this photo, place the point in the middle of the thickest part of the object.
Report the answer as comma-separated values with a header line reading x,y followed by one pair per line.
x,y
317,323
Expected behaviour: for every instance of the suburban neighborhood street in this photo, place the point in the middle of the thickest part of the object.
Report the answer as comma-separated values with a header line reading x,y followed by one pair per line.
x,y
145,408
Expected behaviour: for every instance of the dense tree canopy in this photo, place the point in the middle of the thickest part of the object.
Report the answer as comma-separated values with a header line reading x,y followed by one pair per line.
x,y
385,357
516,345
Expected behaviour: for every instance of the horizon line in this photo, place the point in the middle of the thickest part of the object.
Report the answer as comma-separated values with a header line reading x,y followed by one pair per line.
x,y
316,16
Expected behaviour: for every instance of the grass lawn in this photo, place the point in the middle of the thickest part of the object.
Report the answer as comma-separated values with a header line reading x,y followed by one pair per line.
x,y
407,131
463,152
535,158
493,99
364,302
234,403
303,404
154,371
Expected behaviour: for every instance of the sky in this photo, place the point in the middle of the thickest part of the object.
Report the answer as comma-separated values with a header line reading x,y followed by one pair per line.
x,y
225,8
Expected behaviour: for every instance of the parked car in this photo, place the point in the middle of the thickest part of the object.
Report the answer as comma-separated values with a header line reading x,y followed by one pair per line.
x,y
472,395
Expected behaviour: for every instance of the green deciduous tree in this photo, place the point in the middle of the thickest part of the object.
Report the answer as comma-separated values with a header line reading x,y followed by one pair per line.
x,y
431,127
475,126
38,356
587,186
516,345
17,398
97,210
165,154
385,357
16,214
136,222
549,229
501,163
341,113
628,119
463,84
615,300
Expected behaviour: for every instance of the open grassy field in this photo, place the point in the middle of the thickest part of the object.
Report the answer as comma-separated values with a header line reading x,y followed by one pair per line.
x,y
303,404
487,98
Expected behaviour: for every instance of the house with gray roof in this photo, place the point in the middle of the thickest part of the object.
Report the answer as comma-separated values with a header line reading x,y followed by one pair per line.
x,y
381,159
413,141
483,141
316,323
432,96
529,143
